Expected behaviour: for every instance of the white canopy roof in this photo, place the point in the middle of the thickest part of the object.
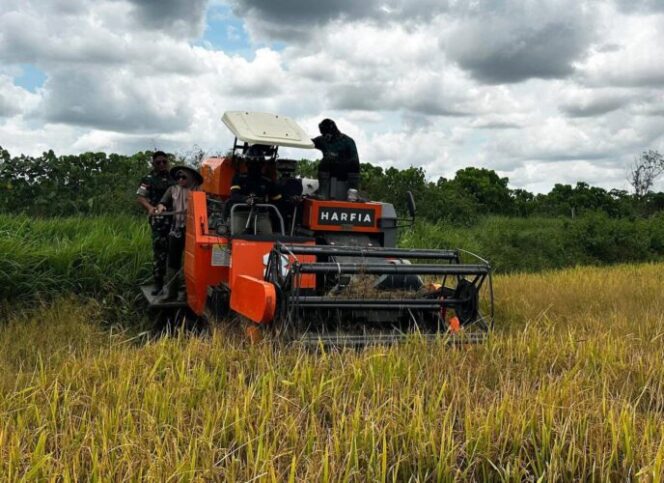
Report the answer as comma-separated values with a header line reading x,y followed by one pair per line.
x,y
265,128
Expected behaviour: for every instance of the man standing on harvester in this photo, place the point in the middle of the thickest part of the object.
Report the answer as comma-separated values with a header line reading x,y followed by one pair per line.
x,y
340,159
149,193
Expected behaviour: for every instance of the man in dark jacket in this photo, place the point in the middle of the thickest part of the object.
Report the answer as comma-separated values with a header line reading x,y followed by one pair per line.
x,y
149,193
340,159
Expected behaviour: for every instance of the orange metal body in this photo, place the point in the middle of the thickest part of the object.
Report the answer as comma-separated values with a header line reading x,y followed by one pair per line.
x,y
244,273
242,266
248,257
313,208
217,176
198,270
253,298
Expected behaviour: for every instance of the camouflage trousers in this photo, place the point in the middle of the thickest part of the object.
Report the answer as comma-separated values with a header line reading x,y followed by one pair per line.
x,y
160,228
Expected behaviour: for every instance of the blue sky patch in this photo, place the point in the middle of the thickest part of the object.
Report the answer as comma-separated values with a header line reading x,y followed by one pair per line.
x,y
224,31
31,77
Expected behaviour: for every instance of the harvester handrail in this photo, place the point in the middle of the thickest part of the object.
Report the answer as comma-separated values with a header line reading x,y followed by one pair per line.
x,y
389,268
369,252
269,206
377,303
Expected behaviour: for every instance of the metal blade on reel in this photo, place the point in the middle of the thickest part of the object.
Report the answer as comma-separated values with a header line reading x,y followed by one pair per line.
x,y
371,295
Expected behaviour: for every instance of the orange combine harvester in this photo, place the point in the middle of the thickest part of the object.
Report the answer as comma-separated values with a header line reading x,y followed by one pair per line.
x,y
326,273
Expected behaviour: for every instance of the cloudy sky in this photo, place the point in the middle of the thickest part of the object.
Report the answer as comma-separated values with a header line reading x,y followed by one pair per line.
x,y
542,91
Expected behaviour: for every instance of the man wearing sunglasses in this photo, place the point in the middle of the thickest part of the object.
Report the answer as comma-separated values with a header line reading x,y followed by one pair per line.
x,y
149,193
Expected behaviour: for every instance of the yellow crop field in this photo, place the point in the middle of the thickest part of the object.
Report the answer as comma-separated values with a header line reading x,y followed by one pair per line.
x,y
570,386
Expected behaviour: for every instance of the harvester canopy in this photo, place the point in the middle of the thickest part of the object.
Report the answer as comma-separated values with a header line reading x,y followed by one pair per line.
x,y
264,128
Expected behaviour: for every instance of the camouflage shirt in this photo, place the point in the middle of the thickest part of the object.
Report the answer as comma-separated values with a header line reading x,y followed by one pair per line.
x,y
154,185
339,155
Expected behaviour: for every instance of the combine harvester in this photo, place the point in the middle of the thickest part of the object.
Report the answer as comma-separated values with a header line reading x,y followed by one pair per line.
x,y
332,275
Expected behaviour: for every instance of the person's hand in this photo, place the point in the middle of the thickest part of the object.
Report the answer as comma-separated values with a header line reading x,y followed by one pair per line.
x,y
152,210
251,200
160,209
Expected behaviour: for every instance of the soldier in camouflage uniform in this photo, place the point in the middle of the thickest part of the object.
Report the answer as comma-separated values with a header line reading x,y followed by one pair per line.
x,y
340,159
149,193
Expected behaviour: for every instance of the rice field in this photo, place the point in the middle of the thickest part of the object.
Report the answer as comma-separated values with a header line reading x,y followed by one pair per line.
x,y
570,386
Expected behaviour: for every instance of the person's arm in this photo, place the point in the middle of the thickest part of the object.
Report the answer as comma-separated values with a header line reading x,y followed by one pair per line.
x,y
166,200
273,191
236,190
352,165
145,204
319,142
353,158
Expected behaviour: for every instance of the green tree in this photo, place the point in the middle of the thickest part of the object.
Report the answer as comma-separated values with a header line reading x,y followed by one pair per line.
x,y
489,190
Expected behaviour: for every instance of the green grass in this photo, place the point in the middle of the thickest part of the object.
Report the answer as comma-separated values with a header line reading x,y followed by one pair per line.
x,y
103,256
534,244
108,257
569,387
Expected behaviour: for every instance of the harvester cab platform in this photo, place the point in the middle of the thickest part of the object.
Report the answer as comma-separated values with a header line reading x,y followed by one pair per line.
x,y
314,269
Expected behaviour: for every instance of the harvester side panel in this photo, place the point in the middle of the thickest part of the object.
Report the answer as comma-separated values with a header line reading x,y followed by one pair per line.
x,y
199,271
250,257
247,258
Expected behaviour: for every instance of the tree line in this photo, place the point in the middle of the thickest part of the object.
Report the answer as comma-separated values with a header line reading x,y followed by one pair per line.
x,y
100,183
474,192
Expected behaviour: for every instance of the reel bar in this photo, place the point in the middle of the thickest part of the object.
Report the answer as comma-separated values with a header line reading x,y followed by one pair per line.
x,y
324,315
390,269
368,252
351,340
314,302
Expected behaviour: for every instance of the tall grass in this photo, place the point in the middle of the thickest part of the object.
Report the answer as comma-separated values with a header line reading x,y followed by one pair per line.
x,y
109,256
570,387
102,256
533,244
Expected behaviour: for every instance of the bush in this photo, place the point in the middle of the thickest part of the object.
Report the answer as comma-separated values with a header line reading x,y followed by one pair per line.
x,y
606,240
532,244
90,183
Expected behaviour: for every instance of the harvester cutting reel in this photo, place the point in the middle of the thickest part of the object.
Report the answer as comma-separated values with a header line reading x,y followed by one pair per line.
x,y
350,295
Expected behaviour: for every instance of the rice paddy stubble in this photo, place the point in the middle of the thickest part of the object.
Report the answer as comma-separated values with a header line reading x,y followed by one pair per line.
x,y
571,386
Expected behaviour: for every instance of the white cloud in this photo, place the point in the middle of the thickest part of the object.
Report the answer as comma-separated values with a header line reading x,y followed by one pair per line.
x,y
13,99
586,102
633,57
519,40
544,92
